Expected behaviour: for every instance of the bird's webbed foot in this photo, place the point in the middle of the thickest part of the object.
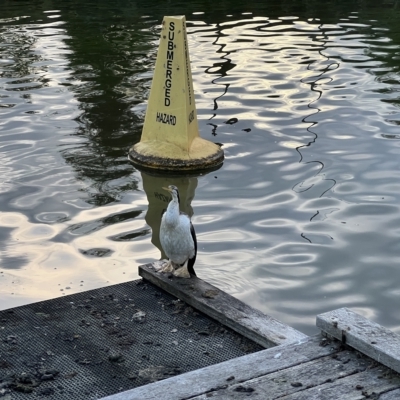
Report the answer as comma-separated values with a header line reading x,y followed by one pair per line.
x,y
168,267
182,272
159,265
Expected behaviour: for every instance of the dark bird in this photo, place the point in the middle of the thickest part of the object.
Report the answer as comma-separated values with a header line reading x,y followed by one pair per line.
x,y
178,238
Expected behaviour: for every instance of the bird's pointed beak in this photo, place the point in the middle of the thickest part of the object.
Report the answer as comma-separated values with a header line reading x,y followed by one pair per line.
x,y
167,189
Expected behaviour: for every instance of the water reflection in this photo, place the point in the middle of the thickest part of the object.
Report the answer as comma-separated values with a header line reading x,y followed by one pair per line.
x,y
158,199
303,216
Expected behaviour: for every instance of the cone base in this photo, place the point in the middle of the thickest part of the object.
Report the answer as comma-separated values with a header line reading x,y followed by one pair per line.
x,y
156,155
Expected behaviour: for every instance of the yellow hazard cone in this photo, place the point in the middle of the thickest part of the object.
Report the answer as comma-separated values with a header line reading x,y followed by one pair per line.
x,y
170,137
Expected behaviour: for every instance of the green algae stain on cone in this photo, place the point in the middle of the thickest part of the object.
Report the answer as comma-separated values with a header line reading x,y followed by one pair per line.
x,y
170,137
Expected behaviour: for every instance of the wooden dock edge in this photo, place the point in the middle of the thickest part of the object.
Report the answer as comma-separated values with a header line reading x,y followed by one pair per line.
x,y
241,369
224,308
366,336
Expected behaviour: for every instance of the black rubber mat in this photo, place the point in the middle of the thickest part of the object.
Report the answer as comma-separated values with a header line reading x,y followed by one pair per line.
x,y
92,344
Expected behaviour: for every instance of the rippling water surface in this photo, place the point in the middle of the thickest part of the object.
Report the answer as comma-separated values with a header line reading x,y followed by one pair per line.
x,y
304,215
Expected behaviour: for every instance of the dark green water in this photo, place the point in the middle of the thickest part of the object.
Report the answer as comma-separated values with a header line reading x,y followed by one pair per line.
x,y
304,215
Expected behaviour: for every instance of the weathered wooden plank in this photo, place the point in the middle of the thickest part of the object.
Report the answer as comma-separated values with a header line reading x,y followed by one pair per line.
x,y
233,371
295,379
240,317
368,337
367,384
392,395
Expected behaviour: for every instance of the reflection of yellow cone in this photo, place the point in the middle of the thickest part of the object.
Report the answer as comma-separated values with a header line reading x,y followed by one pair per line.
x,y
158,199
170,137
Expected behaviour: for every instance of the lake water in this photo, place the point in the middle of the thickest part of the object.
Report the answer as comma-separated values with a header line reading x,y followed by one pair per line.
x,y
304,215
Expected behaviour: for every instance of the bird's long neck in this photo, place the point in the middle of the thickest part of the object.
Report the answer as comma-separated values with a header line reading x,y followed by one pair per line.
x,y
172,213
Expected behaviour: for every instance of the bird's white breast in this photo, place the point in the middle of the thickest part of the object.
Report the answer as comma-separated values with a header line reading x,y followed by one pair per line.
x,y
176,238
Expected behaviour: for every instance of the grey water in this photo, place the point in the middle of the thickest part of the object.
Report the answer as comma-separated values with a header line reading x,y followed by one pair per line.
x,y
304,215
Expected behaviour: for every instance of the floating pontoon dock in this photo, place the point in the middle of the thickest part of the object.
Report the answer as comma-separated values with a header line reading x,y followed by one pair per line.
x,y
136,341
